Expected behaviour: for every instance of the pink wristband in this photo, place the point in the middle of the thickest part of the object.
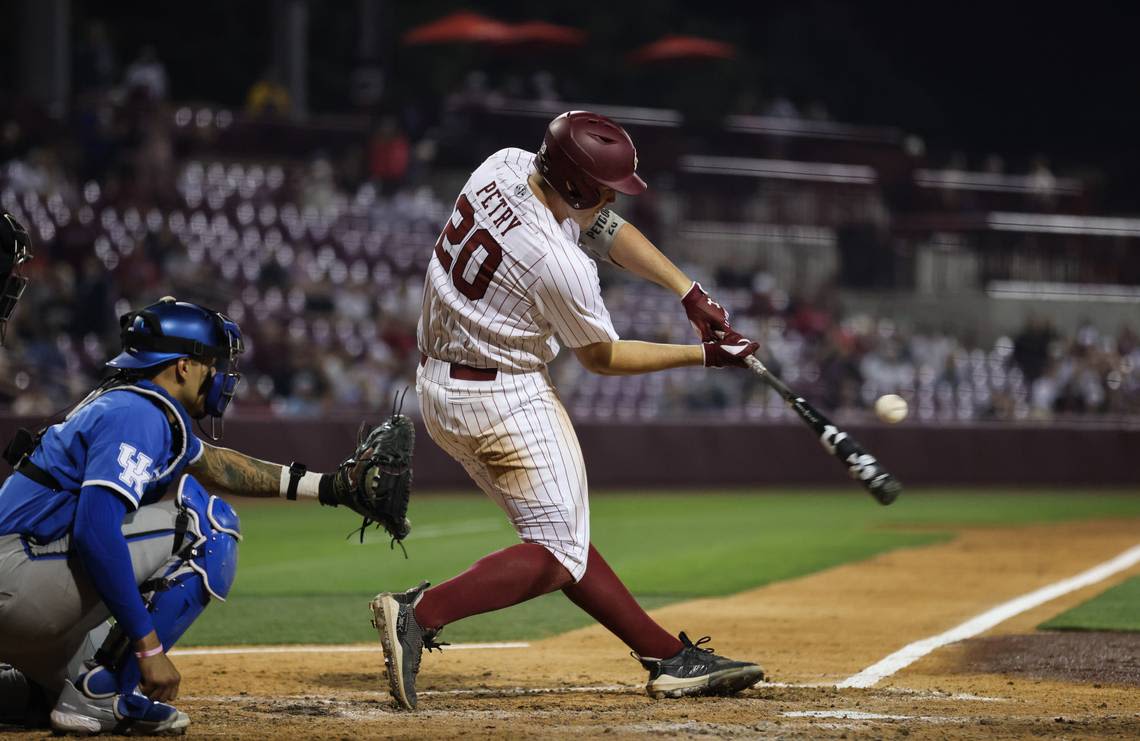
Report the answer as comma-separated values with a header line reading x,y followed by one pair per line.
x,y
149,652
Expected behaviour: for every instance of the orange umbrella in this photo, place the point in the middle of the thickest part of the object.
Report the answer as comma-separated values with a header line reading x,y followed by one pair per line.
x,y
682,47
541,32
463,26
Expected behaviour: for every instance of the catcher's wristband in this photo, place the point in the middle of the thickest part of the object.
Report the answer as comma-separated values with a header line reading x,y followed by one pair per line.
x,y
296,479
150,652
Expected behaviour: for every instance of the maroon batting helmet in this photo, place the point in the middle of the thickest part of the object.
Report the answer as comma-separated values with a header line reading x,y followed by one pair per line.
x,y
583,151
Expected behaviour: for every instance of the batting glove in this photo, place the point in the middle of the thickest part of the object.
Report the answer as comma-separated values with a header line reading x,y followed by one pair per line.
x,y
731,350
707,316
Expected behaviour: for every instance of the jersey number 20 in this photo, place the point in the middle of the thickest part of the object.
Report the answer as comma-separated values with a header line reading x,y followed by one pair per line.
x,y
476,248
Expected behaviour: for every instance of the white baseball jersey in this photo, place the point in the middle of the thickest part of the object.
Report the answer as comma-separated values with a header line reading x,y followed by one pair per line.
x,y
506,279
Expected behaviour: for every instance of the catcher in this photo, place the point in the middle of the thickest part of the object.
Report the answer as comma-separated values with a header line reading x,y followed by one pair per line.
x,y
113,508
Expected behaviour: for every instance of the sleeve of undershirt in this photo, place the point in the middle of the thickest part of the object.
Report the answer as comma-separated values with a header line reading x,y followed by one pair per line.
x,y
569,297
98,538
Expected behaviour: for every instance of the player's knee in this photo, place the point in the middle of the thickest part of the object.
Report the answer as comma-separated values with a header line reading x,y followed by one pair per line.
x,y
207,565
571,559
212,534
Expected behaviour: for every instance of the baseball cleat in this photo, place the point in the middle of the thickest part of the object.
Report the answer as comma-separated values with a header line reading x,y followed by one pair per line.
x,y
82,710
697,672
403,640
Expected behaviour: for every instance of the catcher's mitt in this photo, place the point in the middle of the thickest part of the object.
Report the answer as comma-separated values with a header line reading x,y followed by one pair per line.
x,y
376,480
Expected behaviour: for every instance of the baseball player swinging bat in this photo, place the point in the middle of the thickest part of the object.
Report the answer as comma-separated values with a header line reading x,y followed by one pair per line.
x,y
863,466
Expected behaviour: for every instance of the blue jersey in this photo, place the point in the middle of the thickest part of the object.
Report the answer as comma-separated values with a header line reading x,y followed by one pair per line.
x,y
122,439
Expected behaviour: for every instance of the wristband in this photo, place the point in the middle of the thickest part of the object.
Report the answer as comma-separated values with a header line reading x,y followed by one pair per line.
x,y
296,479
295,471
149,652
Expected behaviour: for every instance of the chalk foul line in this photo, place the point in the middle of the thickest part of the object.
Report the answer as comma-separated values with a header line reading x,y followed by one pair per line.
x,y
907,655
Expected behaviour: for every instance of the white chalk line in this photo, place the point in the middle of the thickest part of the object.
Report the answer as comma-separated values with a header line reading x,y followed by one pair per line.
x,y
908,654
332,649
864,679
844,715
610,689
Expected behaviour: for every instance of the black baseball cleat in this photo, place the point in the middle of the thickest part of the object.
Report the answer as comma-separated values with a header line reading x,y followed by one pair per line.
x,y
697,672
403,640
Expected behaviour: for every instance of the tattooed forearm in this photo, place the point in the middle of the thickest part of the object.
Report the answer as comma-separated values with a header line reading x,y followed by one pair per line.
x,y
236,473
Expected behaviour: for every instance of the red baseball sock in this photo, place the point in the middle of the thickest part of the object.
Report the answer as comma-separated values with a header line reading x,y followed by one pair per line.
x,y
502,579
602,594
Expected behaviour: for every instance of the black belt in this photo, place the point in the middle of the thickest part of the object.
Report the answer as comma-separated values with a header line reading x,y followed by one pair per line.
x,y
37,474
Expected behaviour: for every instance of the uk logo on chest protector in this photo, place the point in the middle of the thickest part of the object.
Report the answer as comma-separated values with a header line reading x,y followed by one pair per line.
x,y
136,473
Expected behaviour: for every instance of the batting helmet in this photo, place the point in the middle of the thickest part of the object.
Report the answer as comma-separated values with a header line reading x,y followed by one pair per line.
x,y
15,250
172,329
582,152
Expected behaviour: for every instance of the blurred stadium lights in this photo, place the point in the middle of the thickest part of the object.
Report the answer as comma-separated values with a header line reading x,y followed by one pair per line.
x,y
1102,226
988,181
792,127
778,169
778,233
547,109
1043,291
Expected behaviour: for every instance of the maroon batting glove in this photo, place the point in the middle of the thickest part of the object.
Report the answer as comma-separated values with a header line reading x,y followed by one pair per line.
x,y
729,351
707,316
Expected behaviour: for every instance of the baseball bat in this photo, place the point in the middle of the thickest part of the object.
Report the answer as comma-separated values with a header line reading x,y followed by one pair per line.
x,y
862,466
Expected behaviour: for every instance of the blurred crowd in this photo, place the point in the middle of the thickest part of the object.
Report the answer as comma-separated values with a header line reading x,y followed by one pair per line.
x,y
327,285
321,261
845,361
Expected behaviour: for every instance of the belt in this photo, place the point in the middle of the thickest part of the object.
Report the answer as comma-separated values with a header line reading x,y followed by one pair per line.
x,y
37,474
462,372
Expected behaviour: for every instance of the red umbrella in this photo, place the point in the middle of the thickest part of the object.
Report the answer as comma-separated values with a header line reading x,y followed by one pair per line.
x,y
682,47
461,26
541,32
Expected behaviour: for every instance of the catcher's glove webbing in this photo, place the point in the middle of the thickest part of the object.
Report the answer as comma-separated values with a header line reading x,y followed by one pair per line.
x,y
376,480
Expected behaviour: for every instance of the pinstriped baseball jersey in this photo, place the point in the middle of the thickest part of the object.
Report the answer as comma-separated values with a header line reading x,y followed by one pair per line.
x,y
506,282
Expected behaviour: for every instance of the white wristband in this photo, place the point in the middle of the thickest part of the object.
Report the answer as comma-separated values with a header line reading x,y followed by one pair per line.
x,y
307,486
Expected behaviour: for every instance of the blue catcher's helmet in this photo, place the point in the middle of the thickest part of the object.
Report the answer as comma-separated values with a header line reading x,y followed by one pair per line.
x,y
172,329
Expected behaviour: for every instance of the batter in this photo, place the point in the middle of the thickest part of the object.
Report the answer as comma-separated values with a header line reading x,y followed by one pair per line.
x,y
509,284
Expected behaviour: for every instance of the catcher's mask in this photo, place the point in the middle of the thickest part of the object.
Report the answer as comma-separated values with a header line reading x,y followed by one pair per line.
x,y
172,329
15,250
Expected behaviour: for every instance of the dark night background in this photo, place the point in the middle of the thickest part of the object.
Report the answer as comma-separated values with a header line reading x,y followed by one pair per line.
x,y
976,77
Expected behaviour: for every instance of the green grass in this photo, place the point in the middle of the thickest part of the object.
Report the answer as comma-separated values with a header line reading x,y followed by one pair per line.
x,y
1116,609
301,581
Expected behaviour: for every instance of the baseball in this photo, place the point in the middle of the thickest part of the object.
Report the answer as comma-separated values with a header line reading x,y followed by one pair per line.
x,y
891,408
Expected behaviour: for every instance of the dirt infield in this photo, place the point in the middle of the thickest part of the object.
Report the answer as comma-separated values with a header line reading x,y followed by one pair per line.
x,y
809,633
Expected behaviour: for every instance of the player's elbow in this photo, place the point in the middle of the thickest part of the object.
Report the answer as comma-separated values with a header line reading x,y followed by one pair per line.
x,y
597,358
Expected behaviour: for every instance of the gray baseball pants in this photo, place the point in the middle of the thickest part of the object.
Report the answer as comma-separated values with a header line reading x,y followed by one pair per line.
x,y
51,618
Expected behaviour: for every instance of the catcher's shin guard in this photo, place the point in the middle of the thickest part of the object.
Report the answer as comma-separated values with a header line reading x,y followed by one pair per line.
x,y
203,567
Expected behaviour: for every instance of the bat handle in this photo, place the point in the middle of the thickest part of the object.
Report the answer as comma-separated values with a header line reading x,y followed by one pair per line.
x,y
755,364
